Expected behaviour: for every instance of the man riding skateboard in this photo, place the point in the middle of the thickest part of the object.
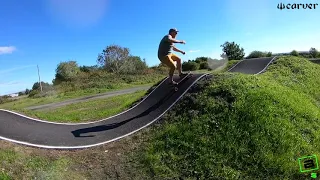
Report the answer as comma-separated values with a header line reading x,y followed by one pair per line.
x,y
166,56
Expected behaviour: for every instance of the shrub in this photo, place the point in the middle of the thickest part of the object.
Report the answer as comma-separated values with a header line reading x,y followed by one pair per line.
x,y
33,93
258,54
294,53
190,66
204,65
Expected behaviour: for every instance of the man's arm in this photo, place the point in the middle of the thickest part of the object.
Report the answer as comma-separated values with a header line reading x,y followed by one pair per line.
x,y
170,39
178,50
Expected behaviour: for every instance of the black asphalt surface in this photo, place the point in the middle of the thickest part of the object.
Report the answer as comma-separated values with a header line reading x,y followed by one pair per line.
x,y
251,66
23,130
317,61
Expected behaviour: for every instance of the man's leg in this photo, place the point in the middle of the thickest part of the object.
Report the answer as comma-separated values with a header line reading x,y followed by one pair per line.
x,y
168,61
179,64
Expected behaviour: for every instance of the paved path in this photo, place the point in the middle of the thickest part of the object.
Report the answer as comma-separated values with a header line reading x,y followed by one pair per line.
x,y
252,66
315,60
28,131
92,97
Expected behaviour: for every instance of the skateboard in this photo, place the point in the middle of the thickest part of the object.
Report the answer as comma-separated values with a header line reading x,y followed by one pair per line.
x,y
187,76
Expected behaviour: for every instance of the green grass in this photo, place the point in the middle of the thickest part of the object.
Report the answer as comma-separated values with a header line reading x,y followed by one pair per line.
x,y
4,176
240,126
88,84
88,110
101,80
21,165
27,102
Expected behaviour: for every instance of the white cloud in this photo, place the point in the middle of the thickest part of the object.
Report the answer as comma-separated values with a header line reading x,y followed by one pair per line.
x,y
7,49
15,69
193,51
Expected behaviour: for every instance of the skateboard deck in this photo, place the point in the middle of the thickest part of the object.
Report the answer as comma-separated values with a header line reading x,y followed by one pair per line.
x,y
187,76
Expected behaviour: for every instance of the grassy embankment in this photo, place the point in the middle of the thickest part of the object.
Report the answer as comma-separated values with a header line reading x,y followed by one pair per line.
x,y
241,126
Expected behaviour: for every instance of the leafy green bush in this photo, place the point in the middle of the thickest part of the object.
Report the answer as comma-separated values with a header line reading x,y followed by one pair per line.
x,y
133,65
199,60
66,71
89,68
5,99
294,53
258,54
33,93
204,65
190,66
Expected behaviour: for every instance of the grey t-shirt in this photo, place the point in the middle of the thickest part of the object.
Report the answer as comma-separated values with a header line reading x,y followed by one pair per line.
x,y
165,46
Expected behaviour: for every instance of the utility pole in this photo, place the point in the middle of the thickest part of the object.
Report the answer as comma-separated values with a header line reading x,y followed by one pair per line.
x,y
39,78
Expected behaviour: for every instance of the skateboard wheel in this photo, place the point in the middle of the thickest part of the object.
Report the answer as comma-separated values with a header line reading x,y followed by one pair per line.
x,y
175,89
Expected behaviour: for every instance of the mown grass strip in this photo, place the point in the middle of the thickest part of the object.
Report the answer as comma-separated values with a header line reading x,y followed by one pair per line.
x,y
86,111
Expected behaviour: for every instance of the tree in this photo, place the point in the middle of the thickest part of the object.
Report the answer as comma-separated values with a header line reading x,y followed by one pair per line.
x,y
294,53
313,52
88,68
224,56
133,65
233,51
27,91
45,86
269,54
113,57
201,59
66,71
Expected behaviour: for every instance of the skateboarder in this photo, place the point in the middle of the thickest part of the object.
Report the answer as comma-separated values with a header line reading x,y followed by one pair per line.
x,y
166,56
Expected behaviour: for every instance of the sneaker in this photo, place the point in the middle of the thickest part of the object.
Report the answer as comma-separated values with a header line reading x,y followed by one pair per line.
x,y
173,83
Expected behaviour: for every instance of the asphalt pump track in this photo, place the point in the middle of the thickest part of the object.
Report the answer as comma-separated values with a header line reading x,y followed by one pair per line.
x,y
17,128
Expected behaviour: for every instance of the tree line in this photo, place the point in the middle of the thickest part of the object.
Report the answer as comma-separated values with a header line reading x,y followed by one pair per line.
x,y
118,60
233,51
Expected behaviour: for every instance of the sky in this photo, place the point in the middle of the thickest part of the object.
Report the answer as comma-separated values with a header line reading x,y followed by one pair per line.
x,y
47,32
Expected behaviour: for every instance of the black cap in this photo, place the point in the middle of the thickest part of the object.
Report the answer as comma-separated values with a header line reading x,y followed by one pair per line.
x,y
173,30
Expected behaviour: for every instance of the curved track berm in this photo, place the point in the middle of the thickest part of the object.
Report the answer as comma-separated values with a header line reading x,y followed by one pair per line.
x,y
21,129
